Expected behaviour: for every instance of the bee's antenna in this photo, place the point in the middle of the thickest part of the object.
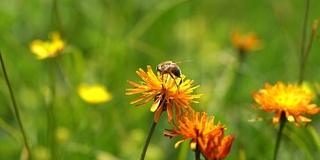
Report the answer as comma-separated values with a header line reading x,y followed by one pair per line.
x,y
183,61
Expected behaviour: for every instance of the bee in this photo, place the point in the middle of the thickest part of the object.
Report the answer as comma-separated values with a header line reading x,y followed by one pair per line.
x,y
168,67
171,68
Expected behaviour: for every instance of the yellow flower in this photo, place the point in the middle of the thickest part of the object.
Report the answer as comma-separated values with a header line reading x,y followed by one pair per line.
x,y
245,42
48,49
291,99
163,90
203,133
94,94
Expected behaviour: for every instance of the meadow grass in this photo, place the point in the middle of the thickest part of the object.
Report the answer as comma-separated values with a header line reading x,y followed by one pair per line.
x,y
108,41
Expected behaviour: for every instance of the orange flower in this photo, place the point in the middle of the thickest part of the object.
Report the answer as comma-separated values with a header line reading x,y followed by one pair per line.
x,y
216,147
165,93
193,127
203,133
245,42
292,99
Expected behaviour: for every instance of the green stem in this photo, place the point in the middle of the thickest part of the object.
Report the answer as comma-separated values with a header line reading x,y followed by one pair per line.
x,y
279,136
150,18
236,79
144,151
303,53
56,20
15,107
51,109
197,153
241,58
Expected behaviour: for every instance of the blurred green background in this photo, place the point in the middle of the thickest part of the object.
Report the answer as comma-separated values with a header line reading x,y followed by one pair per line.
x,y
107,41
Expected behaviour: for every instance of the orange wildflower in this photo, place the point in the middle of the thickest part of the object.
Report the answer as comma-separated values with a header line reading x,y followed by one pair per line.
x,y
216,148
245,42
203,133
291,99
163,90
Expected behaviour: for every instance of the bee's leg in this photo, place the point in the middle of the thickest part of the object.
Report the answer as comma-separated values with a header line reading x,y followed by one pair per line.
x,y
162,81
172,76
180,81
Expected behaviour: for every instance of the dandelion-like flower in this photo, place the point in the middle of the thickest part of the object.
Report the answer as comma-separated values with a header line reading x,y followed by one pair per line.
x,y
203,133
164,91
194,126
48,49
94,94
245,42
291,99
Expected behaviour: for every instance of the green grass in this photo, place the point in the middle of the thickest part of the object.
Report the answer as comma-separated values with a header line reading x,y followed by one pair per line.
x,y
107,41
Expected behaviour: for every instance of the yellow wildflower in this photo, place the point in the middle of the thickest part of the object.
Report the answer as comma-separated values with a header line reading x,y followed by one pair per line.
x,y
94,94
48,49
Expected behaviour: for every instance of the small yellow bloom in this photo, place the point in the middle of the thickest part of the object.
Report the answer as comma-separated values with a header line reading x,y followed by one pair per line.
x,y
163,90
291,99
94,94
245,42
202,132
48,49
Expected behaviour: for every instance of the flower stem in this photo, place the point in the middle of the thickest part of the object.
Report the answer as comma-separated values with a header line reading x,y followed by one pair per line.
x,y
16,109
279,136
197,153
144,151
56,19
51,112
303,53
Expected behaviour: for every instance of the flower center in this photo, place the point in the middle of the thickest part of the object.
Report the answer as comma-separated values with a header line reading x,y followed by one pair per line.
x,y
289,100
